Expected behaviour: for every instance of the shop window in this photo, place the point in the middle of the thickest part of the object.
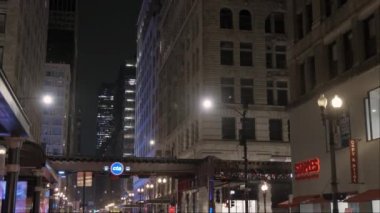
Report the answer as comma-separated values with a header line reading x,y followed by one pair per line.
x,y
372,111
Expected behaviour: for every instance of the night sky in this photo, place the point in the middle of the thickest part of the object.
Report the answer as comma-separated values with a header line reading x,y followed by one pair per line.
x,y
106,38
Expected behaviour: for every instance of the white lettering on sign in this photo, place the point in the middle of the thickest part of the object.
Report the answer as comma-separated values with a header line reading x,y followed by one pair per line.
x,y
117,168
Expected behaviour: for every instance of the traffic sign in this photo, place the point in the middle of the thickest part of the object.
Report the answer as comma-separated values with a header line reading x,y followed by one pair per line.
x,y
117,168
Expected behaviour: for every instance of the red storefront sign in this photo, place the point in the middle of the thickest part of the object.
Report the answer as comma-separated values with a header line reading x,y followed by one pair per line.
x,y
307,169
354,161
171,209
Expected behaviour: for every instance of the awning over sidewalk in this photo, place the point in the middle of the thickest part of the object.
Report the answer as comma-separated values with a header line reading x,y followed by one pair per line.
x,y
302,200
373,194
13,120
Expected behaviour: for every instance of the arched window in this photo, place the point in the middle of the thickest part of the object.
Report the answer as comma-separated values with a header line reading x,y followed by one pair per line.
x,y
245,20
226,18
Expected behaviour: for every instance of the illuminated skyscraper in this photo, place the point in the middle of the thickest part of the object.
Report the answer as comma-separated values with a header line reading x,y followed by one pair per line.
x,y
128,76
105,117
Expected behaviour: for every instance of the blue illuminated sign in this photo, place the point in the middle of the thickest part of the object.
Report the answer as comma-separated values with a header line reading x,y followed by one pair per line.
x,y
117,168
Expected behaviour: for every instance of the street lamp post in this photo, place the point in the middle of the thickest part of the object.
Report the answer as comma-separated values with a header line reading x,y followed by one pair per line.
x,y
336,103
140,191
149,188
243,142
208,104
264,189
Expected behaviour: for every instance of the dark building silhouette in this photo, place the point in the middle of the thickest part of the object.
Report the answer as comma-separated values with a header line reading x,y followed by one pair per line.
x,y
62,49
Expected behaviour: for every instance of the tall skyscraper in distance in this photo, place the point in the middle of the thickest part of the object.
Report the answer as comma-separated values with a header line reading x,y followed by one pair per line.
x,y
120,117
55,116
105,116
23,36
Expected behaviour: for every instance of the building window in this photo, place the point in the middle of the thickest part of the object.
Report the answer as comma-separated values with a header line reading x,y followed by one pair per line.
x,y
2,22
275,23
226,19
226,53
302,78
308,17
1,54
312,74
246,91
249,128
277,93
275,129
227,90
328,7
372,111
299,26
276,57
245,22
370,36
348,50
228,128
246,54
341,2
333,59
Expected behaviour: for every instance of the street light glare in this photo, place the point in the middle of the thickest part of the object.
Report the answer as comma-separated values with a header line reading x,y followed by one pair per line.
x,y
322,101
152,142
264,187
47,99
336,102
207,104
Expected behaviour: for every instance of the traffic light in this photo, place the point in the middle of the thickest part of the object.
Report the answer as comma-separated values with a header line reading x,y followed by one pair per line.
x,y
232,203
217,196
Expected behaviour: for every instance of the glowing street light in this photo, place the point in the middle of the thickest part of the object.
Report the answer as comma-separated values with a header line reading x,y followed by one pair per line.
x,y
336,104
264,189
207,104
152,142
47,99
